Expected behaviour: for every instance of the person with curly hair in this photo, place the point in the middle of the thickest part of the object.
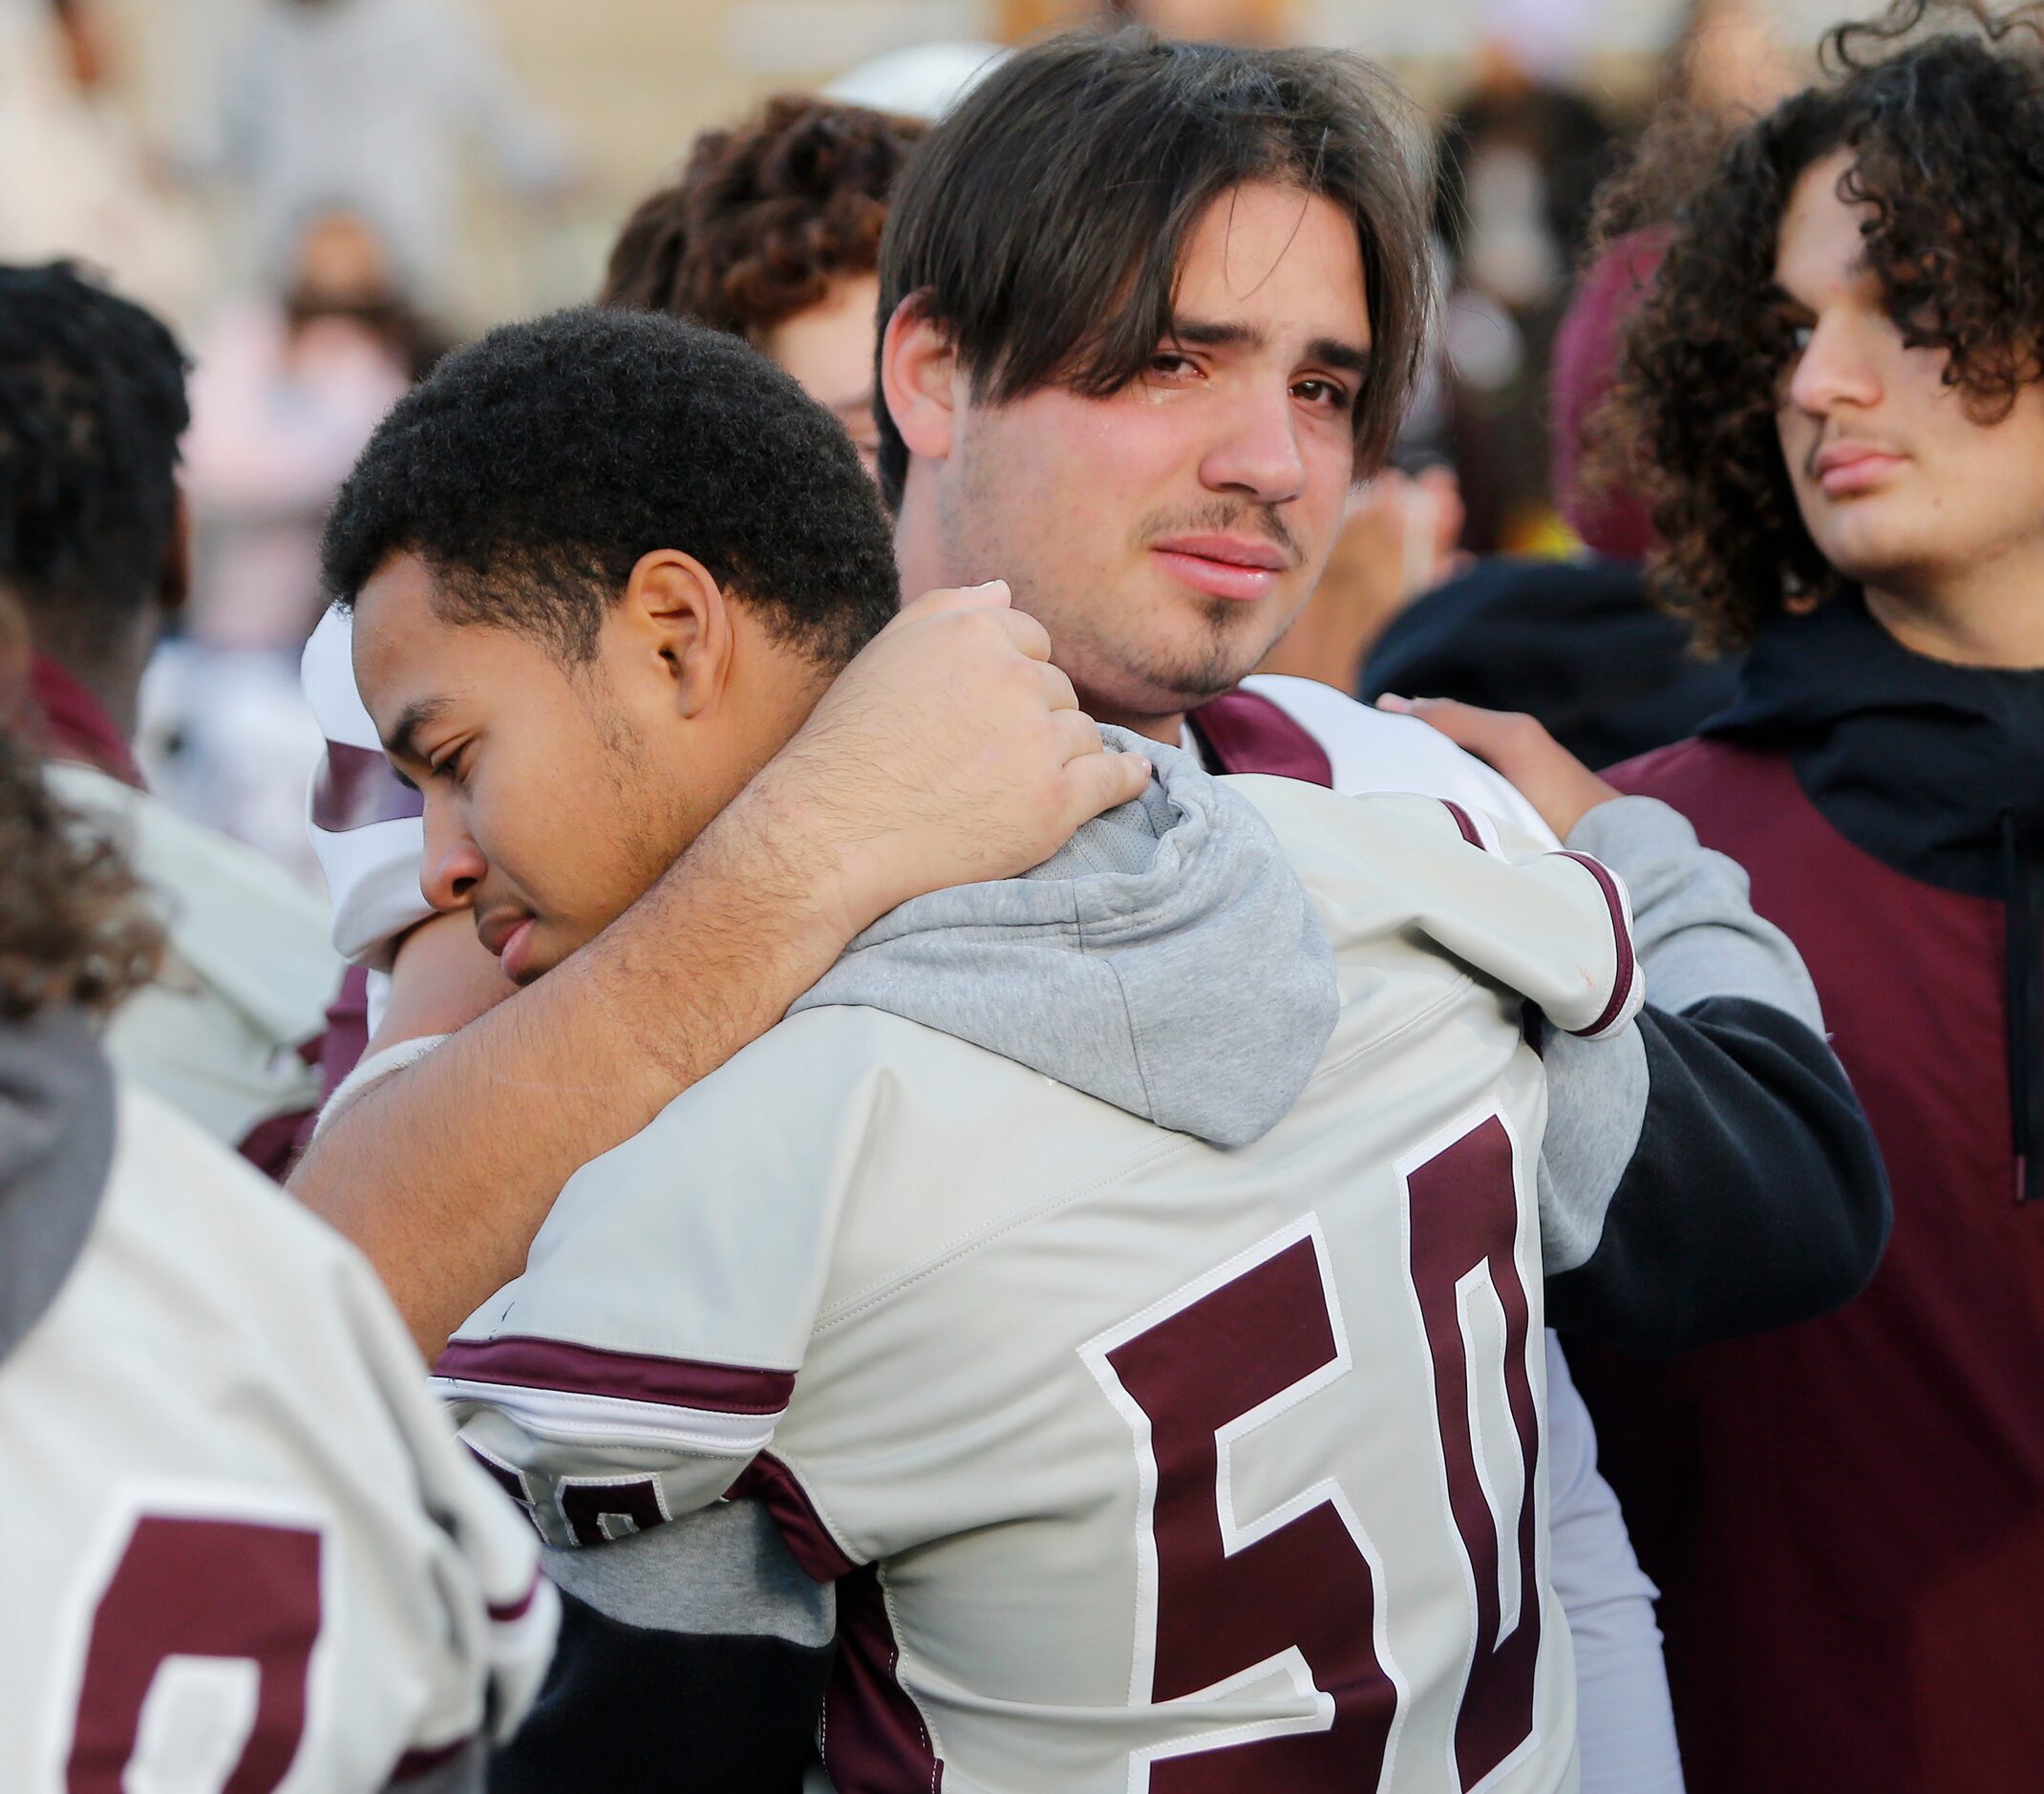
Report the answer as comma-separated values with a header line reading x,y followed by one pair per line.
x,y
772,233
1833,398
218,1438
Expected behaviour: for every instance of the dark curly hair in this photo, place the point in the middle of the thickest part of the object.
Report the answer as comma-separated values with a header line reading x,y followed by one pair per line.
x,y
74,925
1946,135
92,405
533,469
764,216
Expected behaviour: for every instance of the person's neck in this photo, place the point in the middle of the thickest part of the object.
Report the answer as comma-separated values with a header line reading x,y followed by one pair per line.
x,y
1169,729
925,565
1993,616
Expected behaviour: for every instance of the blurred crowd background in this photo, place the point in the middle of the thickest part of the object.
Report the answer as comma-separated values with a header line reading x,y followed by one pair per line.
x,y
324,195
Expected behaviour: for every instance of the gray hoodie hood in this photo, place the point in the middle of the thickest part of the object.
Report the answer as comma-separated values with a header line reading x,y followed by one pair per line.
x,y
1166,960
56,1146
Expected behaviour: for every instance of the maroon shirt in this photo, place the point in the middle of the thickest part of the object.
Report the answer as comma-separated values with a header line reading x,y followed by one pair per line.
x,y
1846,1517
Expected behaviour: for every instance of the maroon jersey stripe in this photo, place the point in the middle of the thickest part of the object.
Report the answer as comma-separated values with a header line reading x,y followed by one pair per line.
x,y
1464,822
1627,967
356,787
578,1370
769,1481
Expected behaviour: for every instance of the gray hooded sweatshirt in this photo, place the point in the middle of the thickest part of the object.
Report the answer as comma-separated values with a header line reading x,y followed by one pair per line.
x,y
56,1147
1098,967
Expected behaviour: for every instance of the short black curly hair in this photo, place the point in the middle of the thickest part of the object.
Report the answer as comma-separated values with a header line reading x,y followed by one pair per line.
x,y
1946,135
531,470
92,405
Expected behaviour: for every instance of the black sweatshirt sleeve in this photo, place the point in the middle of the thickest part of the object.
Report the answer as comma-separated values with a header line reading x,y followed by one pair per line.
x,y
1706,1173
1754,1198
627,1708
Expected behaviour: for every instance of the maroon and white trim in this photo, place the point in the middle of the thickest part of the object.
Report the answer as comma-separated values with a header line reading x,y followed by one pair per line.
x,y
1628,990
810,1541
1477,828
561,1390
356,787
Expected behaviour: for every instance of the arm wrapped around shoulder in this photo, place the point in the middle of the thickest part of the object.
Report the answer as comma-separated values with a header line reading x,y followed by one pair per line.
x,y
1708,1174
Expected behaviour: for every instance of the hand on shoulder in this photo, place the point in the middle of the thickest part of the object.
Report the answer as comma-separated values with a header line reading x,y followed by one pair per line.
x,y
1516,746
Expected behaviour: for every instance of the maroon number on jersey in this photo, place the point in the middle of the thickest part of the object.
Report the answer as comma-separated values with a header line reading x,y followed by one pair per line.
x,y
1464,1218
1307,1586
1222,1606
204,1588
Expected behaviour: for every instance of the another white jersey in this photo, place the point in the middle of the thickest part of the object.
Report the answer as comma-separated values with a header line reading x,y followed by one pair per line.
x,y
247,975
1139,1463
242,1550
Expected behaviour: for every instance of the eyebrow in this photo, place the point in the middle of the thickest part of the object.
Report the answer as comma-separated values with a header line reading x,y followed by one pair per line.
x,y
402,741
1327,350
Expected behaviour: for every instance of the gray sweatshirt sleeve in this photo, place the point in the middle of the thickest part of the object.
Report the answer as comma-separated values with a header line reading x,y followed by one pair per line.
x,y
1707,1173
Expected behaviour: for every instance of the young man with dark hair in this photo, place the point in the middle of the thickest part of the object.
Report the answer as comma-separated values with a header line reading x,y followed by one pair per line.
x,y
1185,359
581,659
93,550
1835,392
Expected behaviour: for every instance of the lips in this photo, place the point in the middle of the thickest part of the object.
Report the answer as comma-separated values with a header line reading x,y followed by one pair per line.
x,y
1243,569
509,937
1844,468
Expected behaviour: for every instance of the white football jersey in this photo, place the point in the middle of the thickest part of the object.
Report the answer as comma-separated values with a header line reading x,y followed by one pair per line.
x,y
247,972
1141,1464
243,1552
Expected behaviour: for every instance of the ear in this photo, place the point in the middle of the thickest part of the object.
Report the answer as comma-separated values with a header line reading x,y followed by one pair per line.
x,y
677,627
174,579
920,379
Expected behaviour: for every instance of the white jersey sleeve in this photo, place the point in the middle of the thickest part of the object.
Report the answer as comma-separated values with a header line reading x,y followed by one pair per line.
x,y
245,1549
365,824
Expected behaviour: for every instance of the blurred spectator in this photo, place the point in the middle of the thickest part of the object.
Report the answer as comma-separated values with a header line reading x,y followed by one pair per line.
x,y
284,396
285,393
92,193
924,81
1399,540
94,548
365,105
1574,642
1733,60
1255,22
1520,158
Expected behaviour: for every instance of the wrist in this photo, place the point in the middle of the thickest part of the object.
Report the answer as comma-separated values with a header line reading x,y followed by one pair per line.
x,y
784,840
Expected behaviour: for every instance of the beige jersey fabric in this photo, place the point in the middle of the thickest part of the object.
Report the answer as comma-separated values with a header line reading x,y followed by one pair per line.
x,y
242,1548
1143,1463
247,972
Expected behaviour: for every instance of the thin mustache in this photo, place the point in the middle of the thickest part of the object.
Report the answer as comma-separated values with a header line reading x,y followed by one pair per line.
x,y
1222,519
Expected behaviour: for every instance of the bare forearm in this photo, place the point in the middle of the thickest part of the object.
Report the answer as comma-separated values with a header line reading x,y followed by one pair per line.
x,y
443,1173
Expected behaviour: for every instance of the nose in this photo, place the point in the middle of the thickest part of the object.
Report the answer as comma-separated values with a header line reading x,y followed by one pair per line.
x,y
1256,452
454,864
1835,368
